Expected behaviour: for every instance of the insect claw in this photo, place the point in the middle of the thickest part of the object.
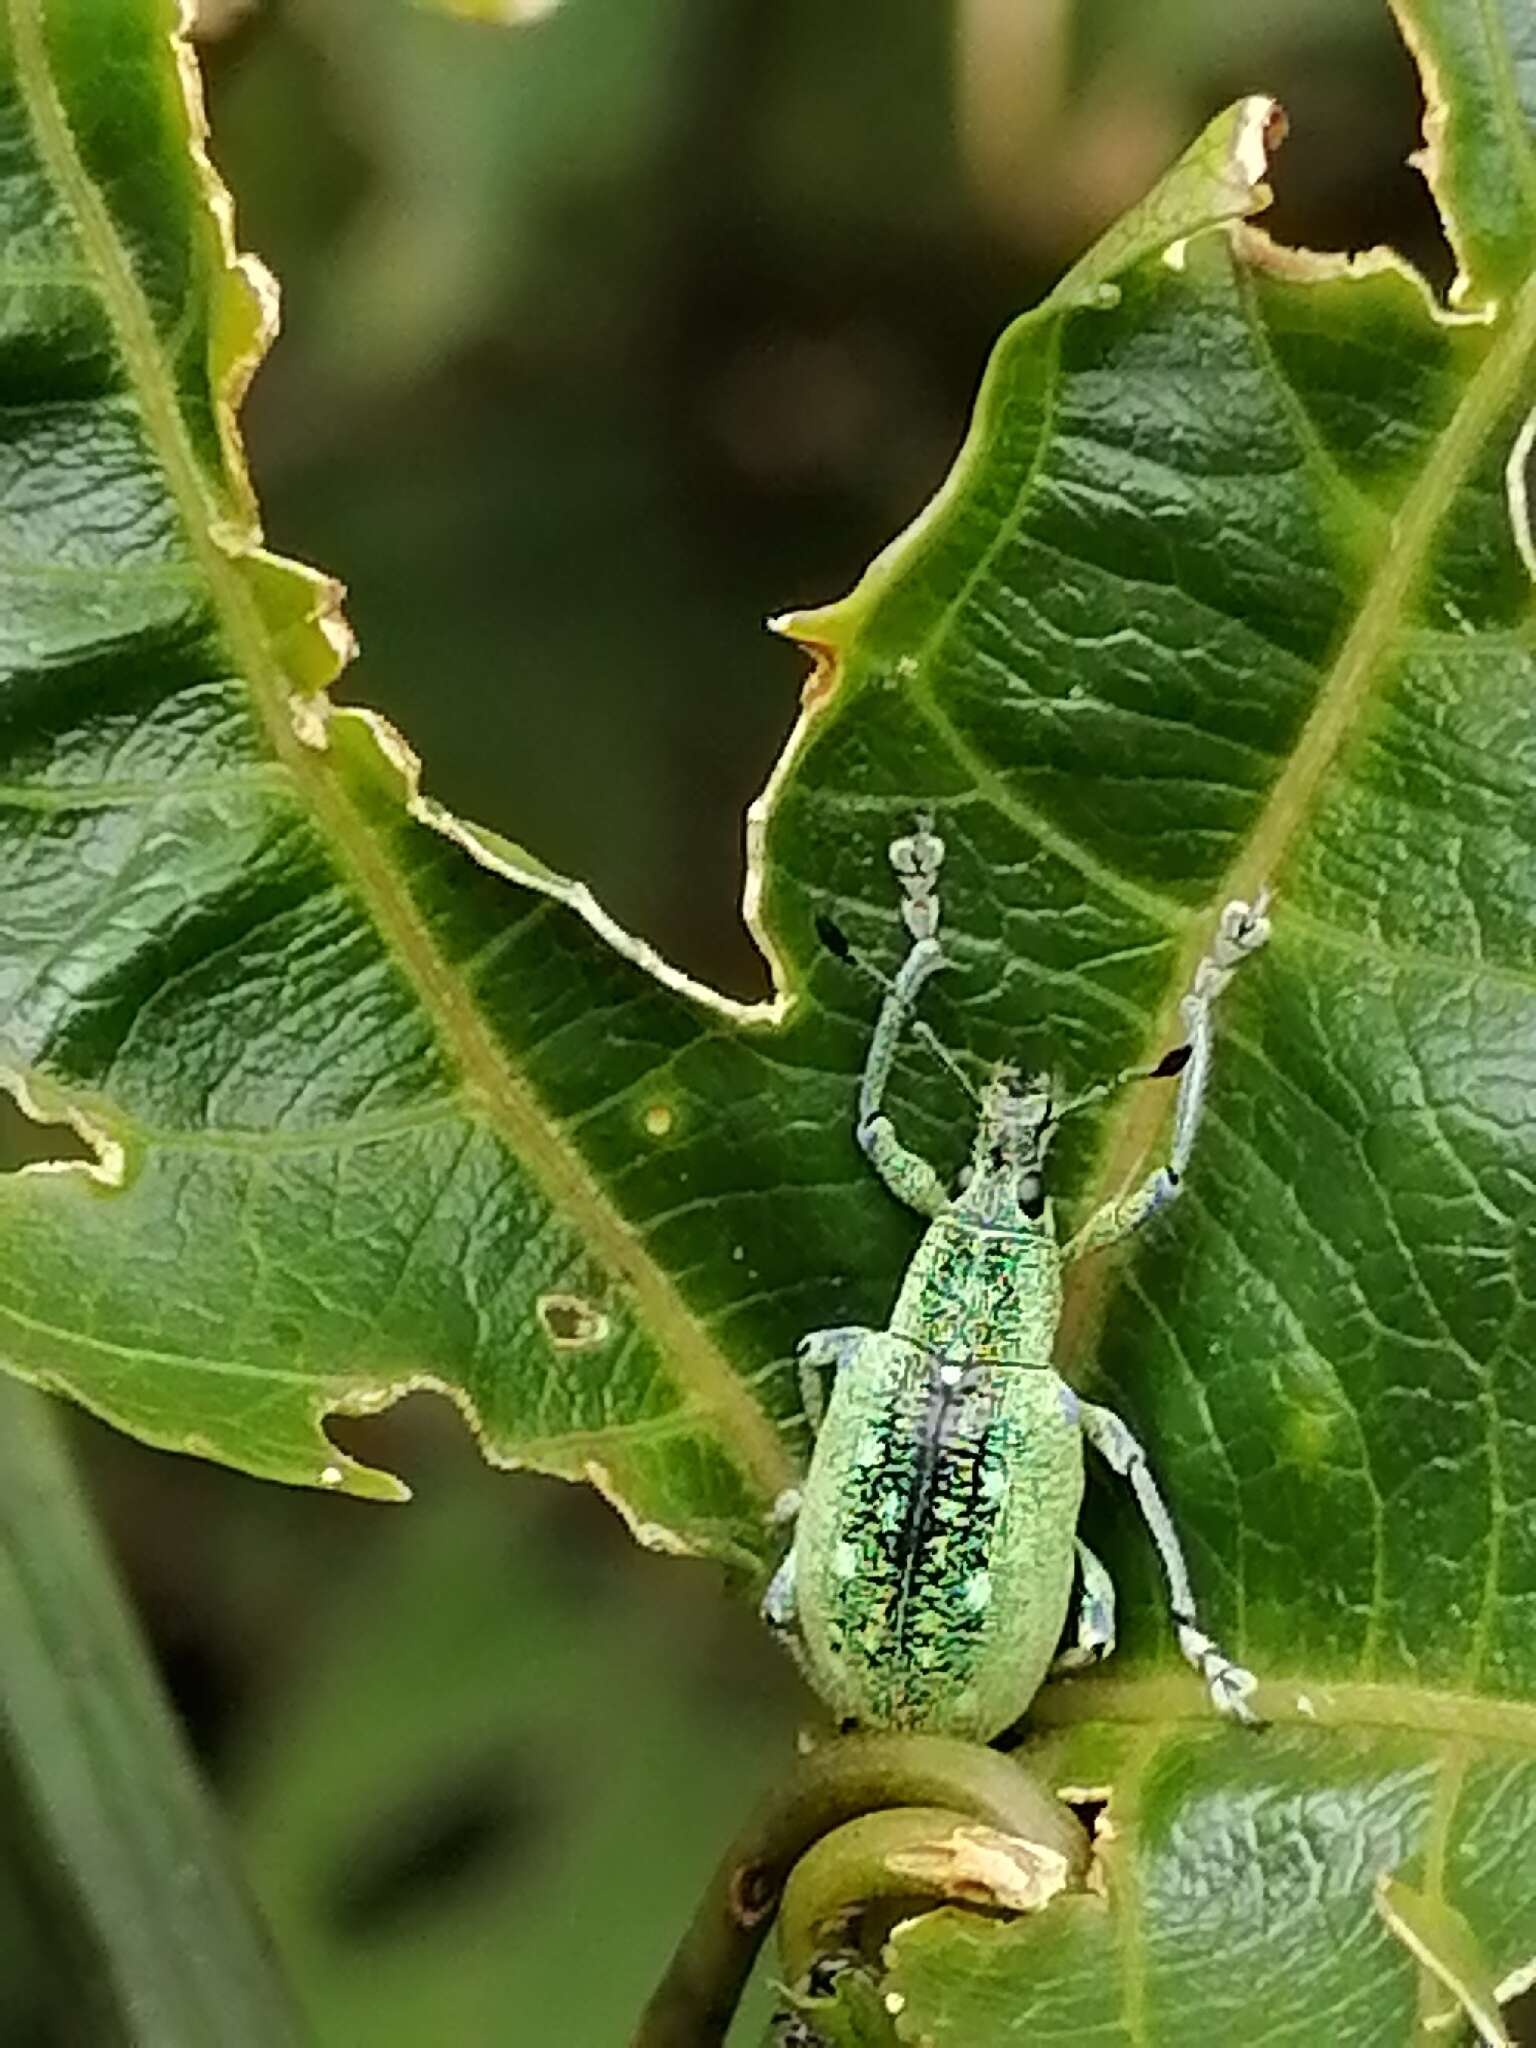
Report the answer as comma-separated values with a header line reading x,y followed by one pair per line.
x,y
1230,1686
1242,929
919,856
1230,1689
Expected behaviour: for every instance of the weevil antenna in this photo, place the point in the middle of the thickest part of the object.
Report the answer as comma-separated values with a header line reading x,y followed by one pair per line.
x,y
1171,1064
836,941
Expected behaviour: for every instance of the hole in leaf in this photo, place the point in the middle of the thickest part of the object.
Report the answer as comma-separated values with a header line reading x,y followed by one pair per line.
x,y
1088,1806
571,1323
32,1141
1345,179
424,1856
1520,2019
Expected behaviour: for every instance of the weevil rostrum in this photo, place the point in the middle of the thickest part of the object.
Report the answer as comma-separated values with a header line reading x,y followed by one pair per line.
x,y
935,1548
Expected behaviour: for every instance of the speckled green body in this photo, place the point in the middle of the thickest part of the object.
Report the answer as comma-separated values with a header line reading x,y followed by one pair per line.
x,y
936,1544
934,1549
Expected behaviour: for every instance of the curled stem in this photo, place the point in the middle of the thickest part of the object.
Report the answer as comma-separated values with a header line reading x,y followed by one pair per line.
x,y
693,2005
904,1861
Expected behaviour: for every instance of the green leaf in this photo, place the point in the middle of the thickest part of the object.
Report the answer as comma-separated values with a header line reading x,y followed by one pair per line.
x,y
1443,1942
363,1110
1480,103
854,2015
1230,583
379,1101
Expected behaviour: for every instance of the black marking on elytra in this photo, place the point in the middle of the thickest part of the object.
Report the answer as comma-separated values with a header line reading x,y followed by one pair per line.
x,y
1172,1063
949,1441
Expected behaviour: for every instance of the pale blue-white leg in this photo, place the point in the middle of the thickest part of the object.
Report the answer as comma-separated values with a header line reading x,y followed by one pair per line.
x,y
778,1608
1242,930
1228,1683
1094,1636
820,1351
916,860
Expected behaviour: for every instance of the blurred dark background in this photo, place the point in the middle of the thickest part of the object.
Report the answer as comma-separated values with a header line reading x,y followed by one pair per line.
x,y
605,338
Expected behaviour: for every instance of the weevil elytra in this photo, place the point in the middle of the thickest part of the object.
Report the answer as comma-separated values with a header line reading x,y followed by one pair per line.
x,y
935,1546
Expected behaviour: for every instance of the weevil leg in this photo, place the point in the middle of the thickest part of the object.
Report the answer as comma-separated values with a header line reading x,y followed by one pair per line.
x,y
1229,1684
1094,1637
1242,930
916,860
819,1351
779,1608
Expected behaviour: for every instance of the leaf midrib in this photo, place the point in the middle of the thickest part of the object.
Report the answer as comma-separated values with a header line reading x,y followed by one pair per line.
x,y
1346,691
693,1360
1178,1700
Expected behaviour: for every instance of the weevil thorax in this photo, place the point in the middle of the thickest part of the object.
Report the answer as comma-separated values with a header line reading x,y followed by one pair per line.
x,y
985,1283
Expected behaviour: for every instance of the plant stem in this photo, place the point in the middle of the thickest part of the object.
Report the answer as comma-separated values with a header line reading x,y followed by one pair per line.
x,y
914,1857
693,2005
102,1769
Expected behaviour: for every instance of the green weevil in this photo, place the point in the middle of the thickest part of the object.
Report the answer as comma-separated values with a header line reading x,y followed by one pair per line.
x,y
935,1546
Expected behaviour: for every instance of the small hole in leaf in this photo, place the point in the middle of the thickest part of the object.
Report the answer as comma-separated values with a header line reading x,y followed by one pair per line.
x,y
1089,1807
571,1323
423,1856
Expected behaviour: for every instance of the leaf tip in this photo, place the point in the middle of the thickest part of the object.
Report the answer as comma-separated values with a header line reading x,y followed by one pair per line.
x,y
362,1482
342,1474
824,629
824,634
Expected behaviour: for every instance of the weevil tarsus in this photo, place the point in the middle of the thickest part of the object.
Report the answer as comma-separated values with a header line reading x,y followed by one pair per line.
x,y
1093,1636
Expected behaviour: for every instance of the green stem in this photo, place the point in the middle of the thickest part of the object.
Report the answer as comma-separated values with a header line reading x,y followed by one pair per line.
x,y
914,1857
101,1767
693,2005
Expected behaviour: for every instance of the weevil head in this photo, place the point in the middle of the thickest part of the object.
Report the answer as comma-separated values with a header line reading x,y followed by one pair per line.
x,y
1004,1185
